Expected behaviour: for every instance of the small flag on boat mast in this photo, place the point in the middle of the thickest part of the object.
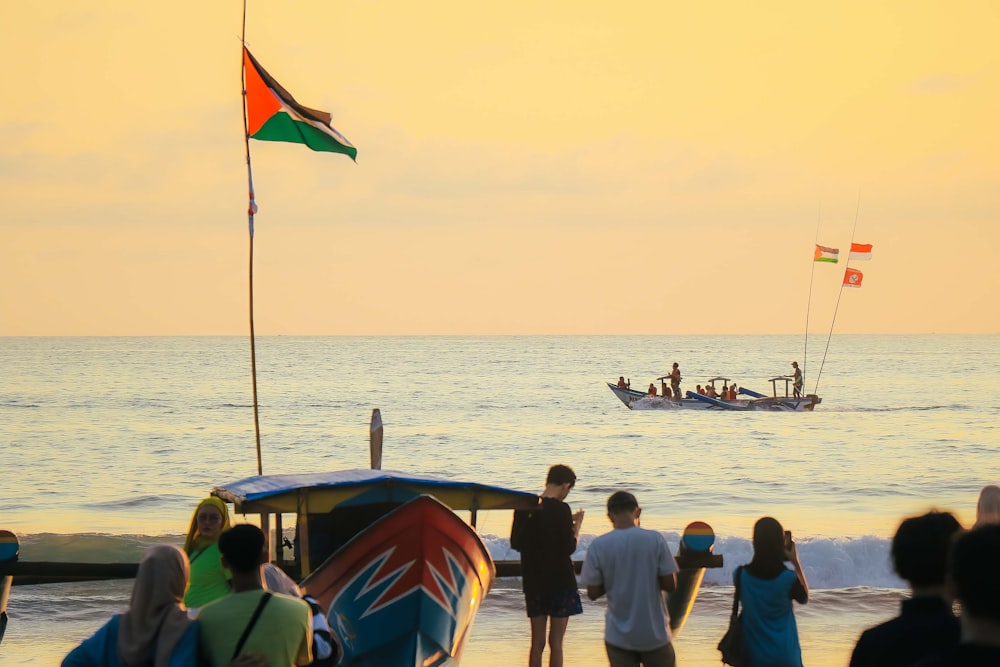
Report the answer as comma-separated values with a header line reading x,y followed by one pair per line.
x,y
860,252
824,254
274,115
852,278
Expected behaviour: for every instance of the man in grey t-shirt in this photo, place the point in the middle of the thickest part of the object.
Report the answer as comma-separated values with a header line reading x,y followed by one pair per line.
x,y
632,566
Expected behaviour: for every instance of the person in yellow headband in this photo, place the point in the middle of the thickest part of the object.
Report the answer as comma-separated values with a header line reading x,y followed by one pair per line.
x,y
209,580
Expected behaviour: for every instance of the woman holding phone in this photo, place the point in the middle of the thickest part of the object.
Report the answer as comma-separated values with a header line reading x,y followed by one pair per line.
x,y
767,588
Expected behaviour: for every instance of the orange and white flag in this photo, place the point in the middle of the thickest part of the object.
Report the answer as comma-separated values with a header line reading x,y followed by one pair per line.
x,y
860,252
852,278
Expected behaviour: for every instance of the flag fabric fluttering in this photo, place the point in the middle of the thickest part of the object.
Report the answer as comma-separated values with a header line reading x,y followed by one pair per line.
x,y
852,278
274,115
824,254
860,252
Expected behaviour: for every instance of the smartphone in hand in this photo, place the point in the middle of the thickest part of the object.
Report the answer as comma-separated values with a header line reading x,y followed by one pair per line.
x,y
789,545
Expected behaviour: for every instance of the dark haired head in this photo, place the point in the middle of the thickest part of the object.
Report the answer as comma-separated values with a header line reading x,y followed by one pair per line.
x,y
560,474
242,546
622,501
973,572
768,546
920,547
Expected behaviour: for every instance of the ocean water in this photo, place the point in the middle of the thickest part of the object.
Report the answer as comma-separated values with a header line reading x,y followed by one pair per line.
x,y
108,443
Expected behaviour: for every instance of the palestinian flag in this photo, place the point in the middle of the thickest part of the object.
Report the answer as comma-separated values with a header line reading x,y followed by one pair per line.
x,y
824,254
274,115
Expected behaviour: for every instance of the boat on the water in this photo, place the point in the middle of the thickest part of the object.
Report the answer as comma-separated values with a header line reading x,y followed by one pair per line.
x,y
640,400
401,575
780,400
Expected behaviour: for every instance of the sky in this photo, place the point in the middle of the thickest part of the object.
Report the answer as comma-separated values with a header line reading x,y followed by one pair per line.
x,y
523,168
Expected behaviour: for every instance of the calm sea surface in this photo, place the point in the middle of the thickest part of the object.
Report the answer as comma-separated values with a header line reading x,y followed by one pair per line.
x,y
108,443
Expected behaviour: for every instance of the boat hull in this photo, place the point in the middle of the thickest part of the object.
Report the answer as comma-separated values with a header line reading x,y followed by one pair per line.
x,y
404,592
637,400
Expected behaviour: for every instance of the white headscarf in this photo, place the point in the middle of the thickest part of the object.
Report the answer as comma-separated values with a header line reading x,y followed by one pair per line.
x,y
156,618
278,582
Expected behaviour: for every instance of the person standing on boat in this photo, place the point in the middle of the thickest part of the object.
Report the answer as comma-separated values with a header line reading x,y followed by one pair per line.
x,y
796,380
632,565
209,580
546,537
675,381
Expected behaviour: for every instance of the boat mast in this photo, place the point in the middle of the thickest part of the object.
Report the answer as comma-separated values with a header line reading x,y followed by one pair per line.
x,y
812,272
251,209
839,294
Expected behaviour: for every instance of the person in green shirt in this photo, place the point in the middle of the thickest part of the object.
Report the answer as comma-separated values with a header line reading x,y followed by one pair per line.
x,y
209,580
252,622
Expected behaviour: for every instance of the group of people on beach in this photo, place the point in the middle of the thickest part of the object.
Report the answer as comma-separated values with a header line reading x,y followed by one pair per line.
x,y
633,566
216,602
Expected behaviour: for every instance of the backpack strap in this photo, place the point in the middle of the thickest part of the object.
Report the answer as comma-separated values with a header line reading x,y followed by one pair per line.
x,y
253,621
736,596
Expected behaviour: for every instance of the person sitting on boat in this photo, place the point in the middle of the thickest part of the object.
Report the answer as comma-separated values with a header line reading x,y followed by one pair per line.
x,y
710,391
796,380
651,392
699,389
209,580
732,392
622,384
666,392
675,380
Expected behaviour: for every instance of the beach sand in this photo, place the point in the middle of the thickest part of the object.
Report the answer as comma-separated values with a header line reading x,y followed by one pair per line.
x,y
828,628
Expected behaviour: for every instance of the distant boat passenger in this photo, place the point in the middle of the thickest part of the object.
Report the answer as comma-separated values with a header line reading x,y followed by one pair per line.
x,y
732,392
666,393
796,380
651,392
710,391
621,382
699,389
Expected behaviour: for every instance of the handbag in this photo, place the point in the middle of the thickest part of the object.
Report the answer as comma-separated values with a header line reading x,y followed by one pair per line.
x,y
731,644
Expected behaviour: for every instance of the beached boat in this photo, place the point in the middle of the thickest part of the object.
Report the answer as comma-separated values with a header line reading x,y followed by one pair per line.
x,y
401,574
780,400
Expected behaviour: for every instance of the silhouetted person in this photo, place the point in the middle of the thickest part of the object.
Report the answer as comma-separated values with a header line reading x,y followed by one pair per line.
x,y
925,623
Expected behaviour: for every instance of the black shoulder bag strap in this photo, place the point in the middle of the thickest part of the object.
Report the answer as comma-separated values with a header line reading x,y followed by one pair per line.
x,y
253,622
736,597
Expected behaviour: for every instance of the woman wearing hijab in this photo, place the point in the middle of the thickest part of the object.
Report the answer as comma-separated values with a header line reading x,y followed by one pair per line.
x,y
326,646
156,629
988,508
767,588
209,580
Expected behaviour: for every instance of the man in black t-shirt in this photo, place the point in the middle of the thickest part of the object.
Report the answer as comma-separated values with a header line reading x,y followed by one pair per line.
x,y
546,537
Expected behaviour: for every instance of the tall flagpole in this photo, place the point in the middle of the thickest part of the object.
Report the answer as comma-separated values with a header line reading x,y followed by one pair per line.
x,y
839,294
805,345
251,209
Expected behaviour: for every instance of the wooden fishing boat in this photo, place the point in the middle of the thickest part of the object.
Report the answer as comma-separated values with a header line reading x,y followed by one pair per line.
x,y
401,575
640,400
780,400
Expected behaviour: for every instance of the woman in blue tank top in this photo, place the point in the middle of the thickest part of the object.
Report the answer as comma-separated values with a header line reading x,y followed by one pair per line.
x,y
767,588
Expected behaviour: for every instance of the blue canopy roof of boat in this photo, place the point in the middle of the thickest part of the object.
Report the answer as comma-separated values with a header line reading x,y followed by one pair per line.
x,y
310,493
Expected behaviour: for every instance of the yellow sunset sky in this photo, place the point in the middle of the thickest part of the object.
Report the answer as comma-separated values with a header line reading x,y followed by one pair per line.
x,y
541,167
